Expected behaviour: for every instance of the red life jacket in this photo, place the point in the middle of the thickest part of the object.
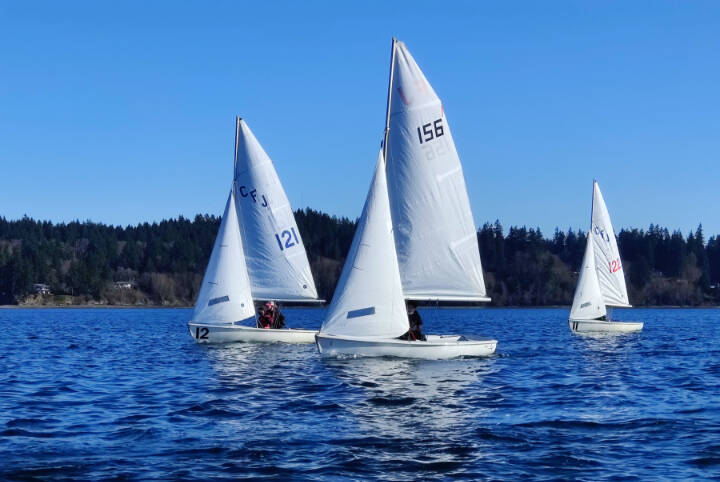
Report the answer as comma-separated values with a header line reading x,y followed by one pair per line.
x,y
266,320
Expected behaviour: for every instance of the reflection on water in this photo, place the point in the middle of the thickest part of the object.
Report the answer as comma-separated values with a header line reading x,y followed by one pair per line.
x,y
605,370
408,401
598,346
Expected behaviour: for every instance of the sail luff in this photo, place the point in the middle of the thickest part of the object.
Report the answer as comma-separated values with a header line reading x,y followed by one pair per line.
x,y
237,140
389,98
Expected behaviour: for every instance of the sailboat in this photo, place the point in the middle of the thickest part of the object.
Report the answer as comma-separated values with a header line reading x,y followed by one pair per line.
x,y
414,241
258,254
601,283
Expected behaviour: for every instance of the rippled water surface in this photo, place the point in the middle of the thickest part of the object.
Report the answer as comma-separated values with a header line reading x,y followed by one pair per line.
x,y
102,393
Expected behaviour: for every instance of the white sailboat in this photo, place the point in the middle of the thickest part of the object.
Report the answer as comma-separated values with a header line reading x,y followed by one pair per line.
x,y
367,313
601,282
398,252
258,254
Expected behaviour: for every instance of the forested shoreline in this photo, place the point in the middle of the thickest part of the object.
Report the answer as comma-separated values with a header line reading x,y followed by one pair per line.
x,y
162,264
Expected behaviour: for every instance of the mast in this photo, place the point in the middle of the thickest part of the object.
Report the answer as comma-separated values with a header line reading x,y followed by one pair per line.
x,y
589,240
592,206
237,139
592,212
389,100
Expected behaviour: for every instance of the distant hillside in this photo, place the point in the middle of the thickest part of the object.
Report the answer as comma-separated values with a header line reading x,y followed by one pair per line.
x,y
163,263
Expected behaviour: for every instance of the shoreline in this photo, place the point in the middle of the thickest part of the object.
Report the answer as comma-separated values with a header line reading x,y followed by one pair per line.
x,y
33,307
164,307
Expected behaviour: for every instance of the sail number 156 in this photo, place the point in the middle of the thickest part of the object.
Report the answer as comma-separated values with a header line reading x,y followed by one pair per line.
x,y
430,131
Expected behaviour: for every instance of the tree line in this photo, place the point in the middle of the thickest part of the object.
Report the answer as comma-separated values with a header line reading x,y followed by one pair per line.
x,y
524,268
81,261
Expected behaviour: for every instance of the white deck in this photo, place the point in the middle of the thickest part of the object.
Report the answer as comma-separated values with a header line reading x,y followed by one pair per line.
x,y
599,326
213,333
436,347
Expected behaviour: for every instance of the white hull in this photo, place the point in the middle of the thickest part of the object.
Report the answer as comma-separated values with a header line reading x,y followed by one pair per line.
x,y
436,347
585,326
209,333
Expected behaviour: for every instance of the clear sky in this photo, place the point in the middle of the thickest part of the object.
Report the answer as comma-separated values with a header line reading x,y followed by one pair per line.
x,y
123,112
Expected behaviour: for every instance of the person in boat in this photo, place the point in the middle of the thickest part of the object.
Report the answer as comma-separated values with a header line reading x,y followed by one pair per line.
x,y
415,332
269,316
262,320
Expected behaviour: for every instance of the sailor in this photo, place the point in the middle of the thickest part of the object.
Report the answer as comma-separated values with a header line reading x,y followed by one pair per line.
x,y
269,316
415,332
264,318
415,323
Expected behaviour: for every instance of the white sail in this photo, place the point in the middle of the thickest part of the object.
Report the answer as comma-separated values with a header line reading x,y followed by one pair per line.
x,y
274,251
368,300
588,303
225,292
607,256
435,232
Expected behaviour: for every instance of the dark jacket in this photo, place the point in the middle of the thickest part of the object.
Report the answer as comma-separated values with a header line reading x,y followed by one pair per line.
x,y
415,332
278,320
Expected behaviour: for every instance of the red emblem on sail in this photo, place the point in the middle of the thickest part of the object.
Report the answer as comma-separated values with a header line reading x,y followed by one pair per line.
x,y
402,96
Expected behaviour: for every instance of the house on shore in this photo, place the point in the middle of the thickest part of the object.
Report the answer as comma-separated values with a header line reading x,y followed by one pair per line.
x,y
124,285
41,289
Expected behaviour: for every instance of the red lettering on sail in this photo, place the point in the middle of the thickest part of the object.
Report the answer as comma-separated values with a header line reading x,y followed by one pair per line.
x,y
402,96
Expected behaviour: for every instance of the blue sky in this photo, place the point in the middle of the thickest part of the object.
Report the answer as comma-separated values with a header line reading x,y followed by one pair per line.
x,y
123,112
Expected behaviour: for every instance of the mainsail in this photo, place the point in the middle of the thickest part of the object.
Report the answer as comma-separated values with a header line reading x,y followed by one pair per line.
x,y
225,292
274,251
368,300
607,256
435,232
588,303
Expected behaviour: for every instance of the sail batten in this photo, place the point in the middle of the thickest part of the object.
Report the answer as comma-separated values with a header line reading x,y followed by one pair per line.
x,y
275,254
428,199
441,298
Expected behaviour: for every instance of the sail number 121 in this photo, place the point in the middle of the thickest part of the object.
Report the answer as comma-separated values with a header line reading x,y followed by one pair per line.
x,y
287,239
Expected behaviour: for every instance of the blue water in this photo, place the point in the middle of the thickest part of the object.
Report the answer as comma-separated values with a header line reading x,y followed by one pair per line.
x,y
97,393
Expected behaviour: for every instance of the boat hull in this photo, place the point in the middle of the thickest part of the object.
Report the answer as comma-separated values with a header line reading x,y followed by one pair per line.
x,y
210,333
437,347
599,326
